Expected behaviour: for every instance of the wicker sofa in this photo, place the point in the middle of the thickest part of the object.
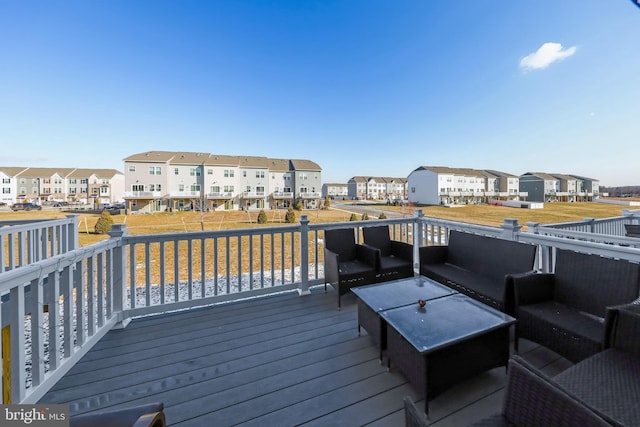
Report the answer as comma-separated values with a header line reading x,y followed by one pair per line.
x,y
609,381
533,399
565,310
478,266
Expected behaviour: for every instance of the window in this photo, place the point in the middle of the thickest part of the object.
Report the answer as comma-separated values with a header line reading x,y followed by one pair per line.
x,y
46,181
215,188
6,180
273,176
181,187
72,190
23,181
194,172
137,187
6,190
94,191
45,190
72,181
104,190
154,187
244,174
195,187
209,171
228,173
84,181
259,174
303,189
132,168
413,189
23,190
57,181
57,190
228,189
248,188
260,189
155,170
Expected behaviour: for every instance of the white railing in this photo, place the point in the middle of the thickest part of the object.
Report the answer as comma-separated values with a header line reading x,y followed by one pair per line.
x,y
142,194
85,292
282,195
187,194
27,242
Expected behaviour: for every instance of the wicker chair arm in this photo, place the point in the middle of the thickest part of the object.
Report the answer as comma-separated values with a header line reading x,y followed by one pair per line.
x,y
622,328
532,288
402,250
433,254
368,254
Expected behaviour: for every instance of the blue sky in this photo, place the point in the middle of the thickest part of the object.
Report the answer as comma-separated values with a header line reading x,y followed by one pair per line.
x,y
362,87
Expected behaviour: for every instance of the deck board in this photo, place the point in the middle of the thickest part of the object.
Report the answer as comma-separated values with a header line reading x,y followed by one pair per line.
x,y
279,360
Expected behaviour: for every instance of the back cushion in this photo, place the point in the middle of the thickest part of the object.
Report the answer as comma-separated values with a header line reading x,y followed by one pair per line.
x,y
590,283
378,237
490,256
341,241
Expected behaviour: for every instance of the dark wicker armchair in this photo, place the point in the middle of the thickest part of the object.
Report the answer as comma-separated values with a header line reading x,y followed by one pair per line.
x,y
149,415
413,417
395,259
632,230
533,399
347,264
565,310
609,381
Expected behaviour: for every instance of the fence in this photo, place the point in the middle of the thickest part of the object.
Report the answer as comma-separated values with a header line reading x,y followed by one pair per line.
x,y
85,292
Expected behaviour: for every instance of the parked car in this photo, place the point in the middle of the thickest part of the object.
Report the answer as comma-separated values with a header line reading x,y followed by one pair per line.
x,y
25,207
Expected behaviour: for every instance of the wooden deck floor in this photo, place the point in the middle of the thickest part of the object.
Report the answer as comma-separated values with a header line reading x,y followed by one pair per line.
x,y
276,361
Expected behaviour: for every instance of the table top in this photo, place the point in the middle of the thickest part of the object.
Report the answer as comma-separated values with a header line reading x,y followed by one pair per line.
x,y
444,321
396,293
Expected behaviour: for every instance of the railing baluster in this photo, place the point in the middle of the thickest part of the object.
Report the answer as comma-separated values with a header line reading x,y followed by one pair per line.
x,y
176,270
37,336
190,268
203,270
100,302
66,287
16,323
250,262
162,261
214,259
147,272
228,260
53,301
132,276
239,259
91,284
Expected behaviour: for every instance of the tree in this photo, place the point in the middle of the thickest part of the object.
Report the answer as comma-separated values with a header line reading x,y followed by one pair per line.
x,y
290,217
382,216
327,203
365,217
299,205
262,217
353,217
104,223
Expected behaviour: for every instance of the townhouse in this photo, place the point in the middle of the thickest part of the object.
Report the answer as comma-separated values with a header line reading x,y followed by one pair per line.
x,y
43,185
377,188
335,190
556,187
160,180
440,185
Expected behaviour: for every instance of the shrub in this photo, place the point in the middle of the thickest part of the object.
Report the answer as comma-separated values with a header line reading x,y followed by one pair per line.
x,y
299,205
365,217
327,203
382,216
104,223
262,217
354,217
290,217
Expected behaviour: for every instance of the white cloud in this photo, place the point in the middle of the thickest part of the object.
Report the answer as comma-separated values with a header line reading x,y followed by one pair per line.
x,y
545,56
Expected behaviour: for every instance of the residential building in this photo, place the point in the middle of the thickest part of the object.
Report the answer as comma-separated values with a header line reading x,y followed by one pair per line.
x,y
377,188
44,185
161,180
440,185
9,194
335,191
556,187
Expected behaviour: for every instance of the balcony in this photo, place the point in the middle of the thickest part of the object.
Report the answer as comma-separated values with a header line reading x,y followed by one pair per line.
x,y
242,330
253,195
185,194
142,195
308,195
220,196
282,195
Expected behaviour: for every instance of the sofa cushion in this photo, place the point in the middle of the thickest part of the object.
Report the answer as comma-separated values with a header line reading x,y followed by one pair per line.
x,y
609,382
485,289
350,269
591,283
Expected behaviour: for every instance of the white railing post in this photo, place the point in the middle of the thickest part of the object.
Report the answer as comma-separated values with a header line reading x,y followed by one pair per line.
x,y
543,261
118,231
417,240
304,255
72,232
510,229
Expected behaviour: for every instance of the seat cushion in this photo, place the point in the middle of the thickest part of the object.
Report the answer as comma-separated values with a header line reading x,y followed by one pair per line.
x,y
388,263
353,269
548,323
609,382
485,289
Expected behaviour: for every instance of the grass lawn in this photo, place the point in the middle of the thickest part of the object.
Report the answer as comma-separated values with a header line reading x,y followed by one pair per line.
x,y
193,221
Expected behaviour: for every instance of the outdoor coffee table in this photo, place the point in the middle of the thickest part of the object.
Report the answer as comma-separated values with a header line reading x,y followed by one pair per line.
x,y
373,299
452,339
